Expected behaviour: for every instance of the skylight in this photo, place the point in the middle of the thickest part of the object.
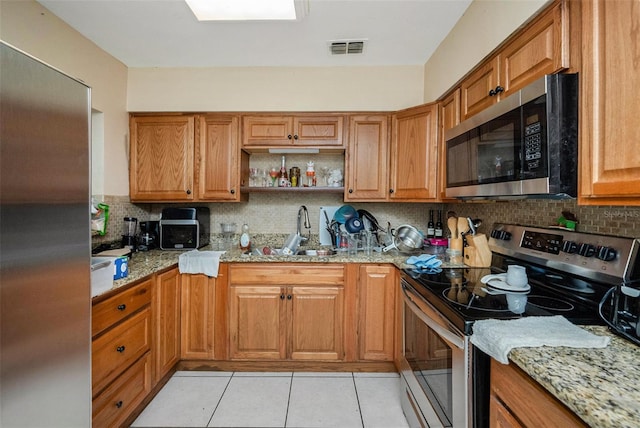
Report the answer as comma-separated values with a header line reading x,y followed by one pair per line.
x,y
243,10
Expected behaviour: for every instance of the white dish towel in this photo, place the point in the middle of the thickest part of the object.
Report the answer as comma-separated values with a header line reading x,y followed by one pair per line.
x,y
497,337
206,262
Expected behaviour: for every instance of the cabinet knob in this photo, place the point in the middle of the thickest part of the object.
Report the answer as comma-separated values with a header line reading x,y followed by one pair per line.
x,y
188,191
120,349
390,190
492,93
119,404
289,136
350,190
289,297
122,307
282,297
233,191
295,137
499,89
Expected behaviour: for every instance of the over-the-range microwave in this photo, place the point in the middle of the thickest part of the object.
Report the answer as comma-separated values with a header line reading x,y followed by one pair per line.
x,y
524,146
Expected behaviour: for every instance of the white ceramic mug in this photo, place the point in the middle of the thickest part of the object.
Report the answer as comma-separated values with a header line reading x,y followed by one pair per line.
x,y
517,276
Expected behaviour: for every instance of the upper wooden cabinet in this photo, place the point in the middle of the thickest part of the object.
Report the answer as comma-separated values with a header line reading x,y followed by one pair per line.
x,y
609,103
367,158
218,157
286,131
449,117
161,158
414,154
541,48
179,158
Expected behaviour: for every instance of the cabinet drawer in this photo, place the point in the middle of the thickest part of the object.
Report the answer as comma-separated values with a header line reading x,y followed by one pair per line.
x,y
117,402
116,350
286,274
116,308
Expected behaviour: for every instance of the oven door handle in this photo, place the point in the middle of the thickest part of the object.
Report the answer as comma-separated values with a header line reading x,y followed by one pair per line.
x,y
433,319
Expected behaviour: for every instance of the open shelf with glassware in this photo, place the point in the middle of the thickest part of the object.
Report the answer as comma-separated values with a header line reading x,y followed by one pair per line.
x,y
327,174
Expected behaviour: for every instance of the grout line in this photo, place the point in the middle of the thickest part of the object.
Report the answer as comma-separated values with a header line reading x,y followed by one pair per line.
x,y
286,415
353,379
220,400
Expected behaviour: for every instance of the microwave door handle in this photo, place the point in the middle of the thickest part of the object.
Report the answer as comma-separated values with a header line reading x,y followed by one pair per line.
x,y
433,319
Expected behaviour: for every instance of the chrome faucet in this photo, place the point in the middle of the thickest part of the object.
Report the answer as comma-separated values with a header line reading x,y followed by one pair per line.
x,y
307,224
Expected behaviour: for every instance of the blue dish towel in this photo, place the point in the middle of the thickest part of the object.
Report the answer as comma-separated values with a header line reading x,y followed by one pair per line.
x,y
425,262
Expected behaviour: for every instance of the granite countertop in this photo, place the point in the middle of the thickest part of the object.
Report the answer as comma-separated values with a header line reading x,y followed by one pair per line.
x,y
598,385
142,264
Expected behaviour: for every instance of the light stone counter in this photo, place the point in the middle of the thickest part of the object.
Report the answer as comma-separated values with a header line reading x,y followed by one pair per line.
x,y
598,385
143,264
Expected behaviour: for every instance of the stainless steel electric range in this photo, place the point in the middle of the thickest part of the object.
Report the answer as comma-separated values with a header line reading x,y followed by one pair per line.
x,y
445,380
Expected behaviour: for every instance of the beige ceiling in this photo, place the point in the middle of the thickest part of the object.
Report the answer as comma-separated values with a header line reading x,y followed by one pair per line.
x,y
164,33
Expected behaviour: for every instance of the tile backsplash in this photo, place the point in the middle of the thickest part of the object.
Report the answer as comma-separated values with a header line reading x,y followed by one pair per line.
x,y
273,213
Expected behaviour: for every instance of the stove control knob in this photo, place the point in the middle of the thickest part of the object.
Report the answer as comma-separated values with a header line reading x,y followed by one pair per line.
x,y
587,250
606,253
569,247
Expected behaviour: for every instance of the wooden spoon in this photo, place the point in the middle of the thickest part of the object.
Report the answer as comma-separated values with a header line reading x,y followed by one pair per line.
x,y
452,223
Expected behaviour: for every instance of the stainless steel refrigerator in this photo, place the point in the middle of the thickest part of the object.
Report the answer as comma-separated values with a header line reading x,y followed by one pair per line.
x,y
45,245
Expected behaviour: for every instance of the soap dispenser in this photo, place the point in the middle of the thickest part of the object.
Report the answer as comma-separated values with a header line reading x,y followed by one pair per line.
x,y
245,239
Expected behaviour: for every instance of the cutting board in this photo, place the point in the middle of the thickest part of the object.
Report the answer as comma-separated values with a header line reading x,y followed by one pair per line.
x,y
325,237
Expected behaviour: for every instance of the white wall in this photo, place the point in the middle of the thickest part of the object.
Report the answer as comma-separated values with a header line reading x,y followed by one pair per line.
x,y
30,27
275,88
484,25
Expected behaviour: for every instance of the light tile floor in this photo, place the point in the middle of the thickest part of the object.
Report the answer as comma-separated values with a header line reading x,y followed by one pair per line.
x,y
300,399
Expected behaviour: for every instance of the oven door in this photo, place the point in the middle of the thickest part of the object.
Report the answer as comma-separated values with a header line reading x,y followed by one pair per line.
x,y
435,367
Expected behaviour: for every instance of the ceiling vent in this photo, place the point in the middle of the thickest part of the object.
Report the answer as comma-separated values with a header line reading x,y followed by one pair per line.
x,y
344,47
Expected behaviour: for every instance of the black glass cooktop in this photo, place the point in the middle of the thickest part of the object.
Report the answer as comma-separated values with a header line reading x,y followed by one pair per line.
x,y
462,298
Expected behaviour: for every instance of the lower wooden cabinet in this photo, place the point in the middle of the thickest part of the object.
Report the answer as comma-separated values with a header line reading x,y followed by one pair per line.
x,y
121,353
289,312
197,316
166,317
518,401
112,407
377,288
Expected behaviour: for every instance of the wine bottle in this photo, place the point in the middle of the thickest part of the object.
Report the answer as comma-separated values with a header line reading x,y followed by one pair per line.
x,y
438,229
283,177
431,232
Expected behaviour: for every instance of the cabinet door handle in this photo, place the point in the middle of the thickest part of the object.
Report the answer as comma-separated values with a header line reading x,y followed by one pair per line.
x,y
295,137
120,348
289,136
499,89
289,296
119,404
282,297
122,307
233,191
390,190
492,93
350,190
188,191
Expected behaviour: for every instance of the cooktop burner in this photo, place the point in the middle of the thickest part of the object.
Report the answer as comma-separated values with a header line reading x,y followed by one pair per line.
x,y
481,299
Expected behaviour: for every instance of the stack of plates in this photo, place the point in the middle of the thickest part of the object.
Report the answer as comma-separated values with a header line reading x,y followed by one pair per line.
x,y
499,282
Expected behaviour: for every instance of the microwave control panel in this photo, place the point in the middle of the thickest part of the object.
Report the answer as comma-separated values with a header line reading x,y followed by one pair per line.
x,y
533,145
